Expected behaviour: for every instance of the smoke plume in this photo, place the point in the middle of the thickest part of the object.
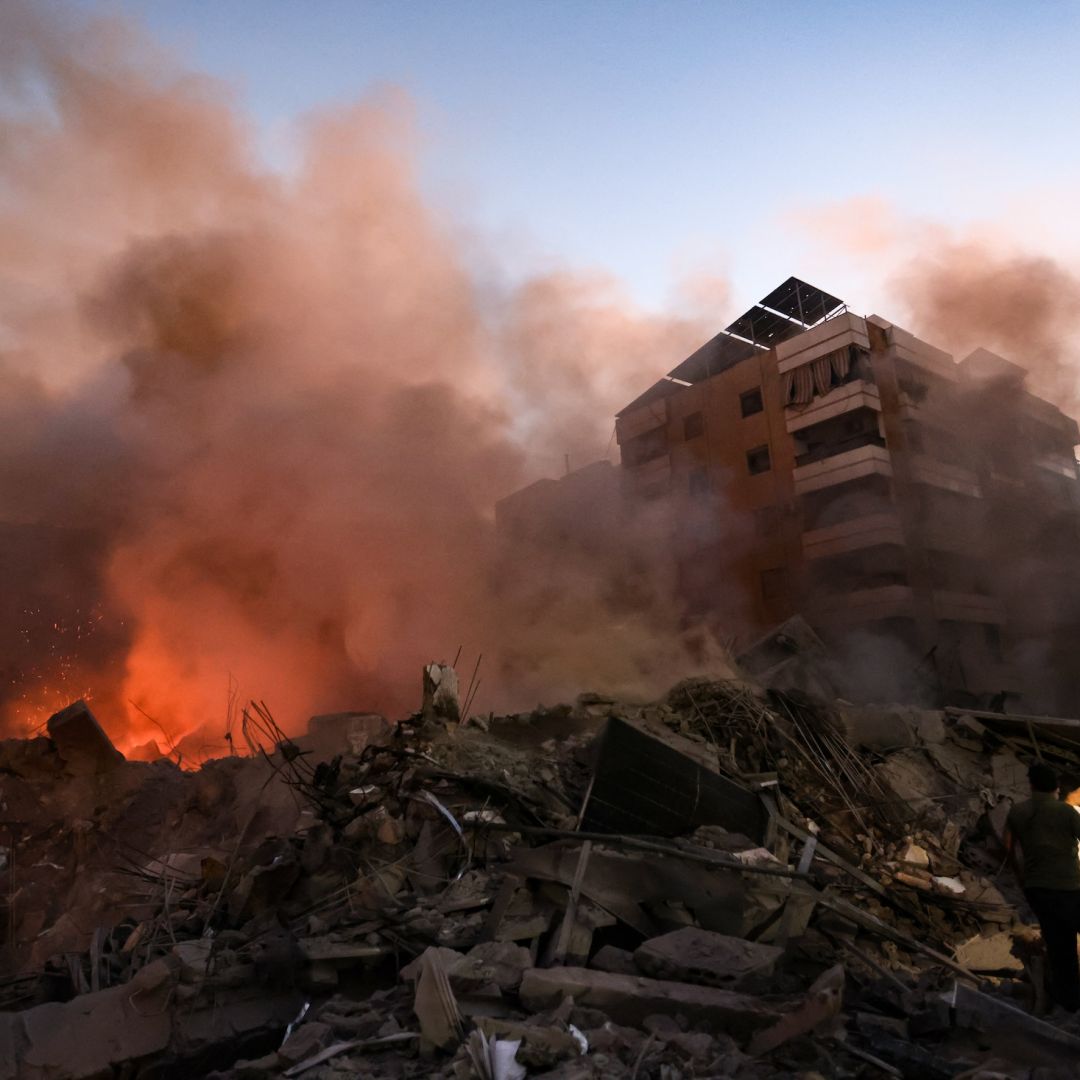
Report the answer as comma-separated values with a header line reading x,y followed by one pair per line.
x,y
277,408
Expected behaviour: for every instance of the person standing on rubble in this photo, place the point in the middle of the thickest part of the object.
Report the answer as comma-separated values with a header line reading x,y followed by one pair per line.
x,y
1041,837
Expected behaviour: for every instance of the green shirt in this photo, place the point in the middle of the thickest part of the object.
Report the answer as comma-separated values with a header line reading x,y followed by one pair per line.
x,y
1047,831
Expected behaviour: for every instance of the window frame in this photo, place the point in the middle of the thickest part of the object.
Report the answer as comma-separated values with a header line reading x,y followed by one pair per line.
x,y
756,394
768,460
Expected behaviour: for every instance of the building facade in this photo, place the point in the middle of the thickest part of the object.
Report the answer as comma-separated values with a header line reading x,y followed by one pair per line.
x,y
921,513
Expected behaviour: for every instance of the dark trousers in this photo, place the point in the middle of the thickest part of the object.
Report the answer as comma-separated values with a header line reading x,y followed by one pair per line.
x,y
1058,911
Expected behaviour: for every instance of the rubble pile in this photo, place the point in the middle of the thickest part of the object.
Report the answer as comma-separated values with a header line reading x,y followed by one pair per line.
x,y
735,880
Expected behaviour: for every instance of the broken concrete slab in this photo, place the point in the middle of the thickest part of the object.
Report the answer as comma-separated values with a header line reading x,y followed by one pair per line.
x,y
989,953
81,741
500,962
612,958
1044,1042
694,955
95,1033
628,999
307,1040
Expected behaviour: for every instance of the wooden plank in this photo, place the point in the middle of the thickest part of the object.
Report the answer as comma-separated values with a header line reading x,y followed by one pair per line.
x,y
570,915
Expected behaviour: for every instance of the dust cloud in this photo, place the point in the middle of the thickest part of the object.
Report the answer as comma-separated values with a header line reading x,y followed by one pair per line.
x,y
275,412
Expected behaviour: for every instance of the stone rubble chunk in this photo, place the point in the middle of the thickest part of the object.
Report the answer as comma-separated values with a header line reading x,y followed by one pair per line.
x,y
628,999
441,693
703,956
81,741
915,855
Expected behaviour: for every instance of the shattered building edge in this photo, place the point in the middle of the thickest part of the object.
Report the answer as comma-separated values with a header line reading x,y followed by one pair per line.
x,y
838,467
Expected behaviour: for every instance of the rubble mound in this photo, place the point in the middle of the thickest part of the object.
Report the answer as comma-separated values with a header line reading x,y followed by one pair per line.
x,y
731,881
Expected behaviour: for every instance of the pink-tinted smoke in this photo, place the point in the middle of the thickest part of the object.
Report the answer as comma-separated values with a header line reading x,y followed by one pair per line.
x,y
279,400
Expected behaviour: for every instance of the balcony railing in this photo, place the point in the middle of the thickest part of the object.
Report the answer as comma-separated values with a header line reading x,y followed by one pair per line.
x,y
868,530
841,446
841,468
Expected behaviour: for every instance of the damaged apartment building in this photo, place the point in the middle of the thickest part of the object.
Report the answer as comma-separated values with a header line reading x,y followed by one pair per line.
x,y
920,513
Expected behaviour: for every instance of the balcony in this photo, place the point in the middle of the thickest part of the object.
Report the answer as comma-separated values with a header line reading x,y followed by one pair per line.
x,y
933,409
865,605
905,346
1062,464
1050,415
827,337
967,607
870,530
928,470
857,394
816,471
955,535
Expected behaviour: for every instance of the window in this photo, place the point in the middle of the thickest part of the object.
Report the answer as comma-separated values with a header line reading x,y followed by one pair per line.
x,y
774,584
693,426
757,460
751,402
698,481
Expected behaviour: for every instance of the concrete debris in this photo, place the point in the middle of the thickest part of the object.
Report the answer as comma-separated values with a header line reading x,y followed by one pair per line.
x,y
740,879
914,855
990,953
629,999
81,742
822,1005
701,956
441,693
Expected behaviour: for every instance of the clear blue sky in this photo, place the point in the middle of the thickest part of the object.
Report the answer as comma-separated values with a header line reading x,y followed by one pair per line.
x,y
647,137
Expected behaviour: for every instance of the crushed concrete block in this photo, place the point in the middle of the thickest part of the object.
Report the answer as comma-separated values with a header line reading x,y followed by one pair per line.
x,y
245,1013
992,952
915,855
441,693
31,759
877,727
617,961
502,962
93,1034
929,725
702,956
306,1041
81,742
628,999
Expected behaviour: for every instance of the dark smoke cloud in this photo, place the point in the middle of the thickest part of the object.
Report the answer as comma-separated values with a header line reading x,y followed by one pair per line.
x,y
279,404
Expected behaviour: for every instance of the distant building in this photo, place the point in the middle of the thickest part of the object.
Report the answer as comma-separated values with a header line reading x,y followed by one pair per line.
x,y
839,467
